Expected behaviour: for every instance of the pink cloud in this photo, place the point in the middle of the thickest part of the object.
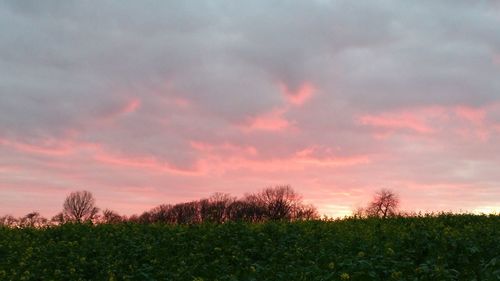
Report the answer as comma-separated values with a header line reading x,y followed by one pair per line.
x,y
173,123
324,156
397,121
222,159
471,114
272,121
465,121
471,122
131,106
148,163
124,108
46,147
299,96
226,147
326,173
182,102
66,149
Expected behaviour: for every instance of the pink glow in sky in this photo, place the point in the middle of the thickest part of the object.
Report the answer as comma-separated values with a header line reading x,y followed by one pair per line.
x,y
144,104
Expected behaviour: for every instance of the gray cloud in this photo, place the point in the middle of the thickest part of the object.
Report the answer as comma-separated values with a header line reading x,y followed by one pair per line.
x,y
147,79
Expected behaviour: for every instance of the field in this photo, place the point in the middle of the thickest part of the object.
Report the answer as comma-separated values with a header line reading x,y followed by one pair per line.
x,y
445,247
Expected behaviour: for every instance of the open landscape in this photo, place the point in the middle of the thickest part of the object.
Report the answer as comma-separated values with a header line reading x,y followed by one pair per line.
x,y
249,140
270,235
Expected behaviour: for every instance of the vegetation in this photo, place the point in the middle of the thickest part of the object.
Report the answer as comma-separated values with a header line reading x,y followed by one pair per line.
x,y
80,206
385,204
444,247
269,235
273,203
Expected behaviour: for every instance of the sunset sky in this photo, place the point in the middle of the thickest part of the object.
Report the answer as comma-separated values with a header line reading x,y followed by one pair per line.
x,y
150,102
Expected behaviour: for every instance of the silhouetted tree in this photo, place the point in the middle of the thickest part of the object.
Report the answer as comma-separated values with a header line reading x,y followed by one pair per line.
x,y
58,219
273,203
145,217
109,216
250,208
80,206
280,202
8,221
133,219
359,212
384,204
215,208
162,214
305,212
33,219
239,211
186,213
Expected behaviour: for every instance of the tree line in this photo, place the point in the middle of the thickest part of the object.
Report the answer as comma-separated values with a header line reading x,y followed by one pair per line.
x,y
279,203
273,203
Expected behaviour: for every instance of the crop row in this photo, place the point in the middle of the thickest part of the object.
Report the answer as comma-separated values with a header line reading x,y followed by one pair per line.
x,y
446,247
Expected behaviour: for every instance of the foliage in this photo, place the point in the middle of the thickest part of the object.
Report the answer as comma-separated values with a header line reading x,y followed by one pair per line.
x,y
444,247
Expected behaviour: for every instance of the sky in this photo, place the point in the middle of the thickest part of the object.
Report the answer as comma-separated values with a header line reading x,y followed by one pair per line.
x,y
151,102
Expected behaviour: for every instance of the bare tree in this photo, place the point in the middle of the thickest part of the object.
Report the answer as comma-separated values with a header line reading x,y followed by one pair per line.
x,y
58,219
145,217
305,212
109,216
160,214
245,210
215,208
186,213
251,209
8,221
384,204
273,203
280,202
33,219
359,212
80,206
133,218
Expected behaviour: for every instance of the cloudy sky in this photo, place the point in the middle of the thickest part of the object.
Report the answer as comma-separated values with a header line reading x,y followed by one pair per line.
x,y
148,102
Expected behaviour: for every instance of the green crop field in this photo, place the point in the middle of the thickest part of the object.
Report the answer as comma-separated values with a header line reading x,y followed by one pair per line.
x,y
445,247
